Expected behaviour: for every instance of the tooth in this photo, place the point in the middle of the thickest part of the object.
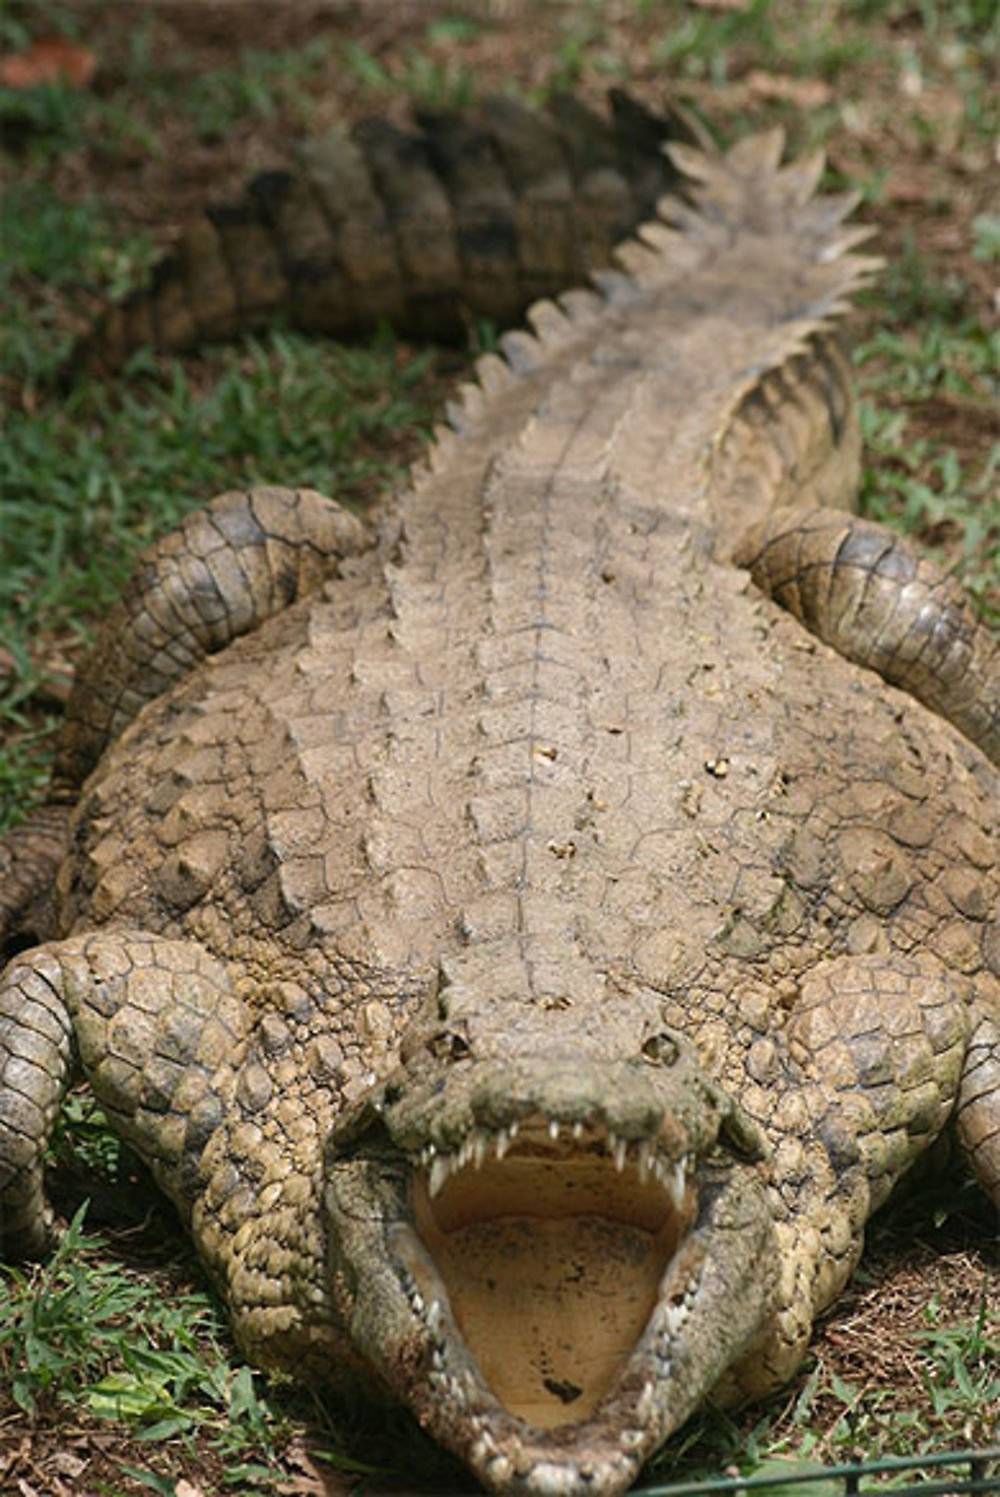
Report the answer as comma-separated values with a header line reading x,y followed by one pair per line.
x,y
434,1315
418,1304
479,1150
578,1131
645,1160
512,1130
644,1407
675,1316
440,1170
675,1185
618,1149
554,1129
502,1142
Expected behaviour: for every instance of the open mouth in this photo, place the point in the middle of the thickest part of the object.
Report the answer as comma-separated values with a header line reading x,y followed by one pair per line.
x,y
551,1268
550,1241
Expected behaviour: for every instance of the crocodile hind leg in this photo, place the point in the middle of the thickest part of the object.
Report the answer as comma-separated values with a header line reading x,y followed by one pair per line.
x,y
228,567
865,591
880,1055
225,570
153,1025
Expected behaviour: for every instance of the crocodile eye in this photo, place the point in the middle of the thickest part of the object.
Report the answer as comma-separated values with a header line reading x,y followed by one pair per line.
x,y
660,1049
448,1044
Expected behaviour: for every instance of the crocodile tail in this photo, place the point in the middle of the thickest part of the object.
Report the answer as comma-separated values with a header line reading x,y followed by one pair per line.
x,y
462,217
745,243
746,192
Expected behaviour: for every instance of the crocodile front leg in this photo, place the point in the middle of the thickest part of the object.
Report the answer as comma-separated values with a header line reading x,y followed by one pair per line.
x,y
879,1055
36,1054
863,590
978,1113
154,1026
230,1114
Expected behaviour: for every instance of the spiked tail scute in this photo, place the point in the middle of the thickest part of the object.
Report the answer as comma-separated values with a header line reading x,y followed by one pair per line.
x,y
746,192
743,253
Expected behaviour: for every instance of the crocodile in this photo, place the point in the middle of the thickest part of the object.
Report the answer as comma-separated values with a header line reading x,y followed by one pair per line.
x,y
464,217
528,933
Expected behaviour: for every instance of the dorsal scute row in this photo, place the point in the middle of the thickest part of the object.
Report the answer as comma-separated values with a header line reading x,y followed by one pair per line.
x,y
734,201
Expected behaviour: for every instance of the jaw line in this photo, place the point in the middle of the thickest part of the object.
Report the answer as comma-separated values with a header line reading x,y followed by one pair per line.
x,y
405,1321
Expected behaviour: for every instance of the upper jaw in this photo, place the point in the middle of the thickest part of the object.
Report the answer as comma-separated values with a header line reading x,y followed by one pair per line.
x,y
540,1189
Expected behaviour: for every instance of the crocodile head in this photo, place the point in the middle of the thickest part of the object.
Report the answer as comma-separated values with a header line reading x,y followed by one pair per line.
x,y
549,1240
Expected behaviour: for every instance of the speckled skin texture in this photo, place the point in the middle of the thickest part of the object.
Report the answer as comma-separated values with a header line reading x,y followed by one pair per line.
x,y
539,840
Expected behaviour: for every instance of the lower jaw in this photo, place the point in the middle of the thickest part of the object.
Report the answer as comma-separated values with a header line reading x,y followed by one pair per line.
x,y
502,1408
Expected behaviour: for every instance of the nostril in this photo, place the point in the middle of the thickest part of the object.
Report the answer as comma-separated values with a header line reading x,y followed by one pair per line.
x,y
448,1044
660,1049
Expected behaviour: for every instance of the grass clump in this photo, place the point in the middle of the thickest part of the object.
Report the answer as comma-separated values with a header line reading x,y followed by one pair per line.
x,y
434,81
89,483
68,1339
928,368
257,86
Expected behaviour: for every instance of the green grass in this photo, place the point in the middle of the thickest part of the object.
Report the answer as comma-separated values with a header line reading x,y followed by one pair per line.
x,y
67,1340
927,352
50,119
89,482
922,488
430,73
258,86
432,81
